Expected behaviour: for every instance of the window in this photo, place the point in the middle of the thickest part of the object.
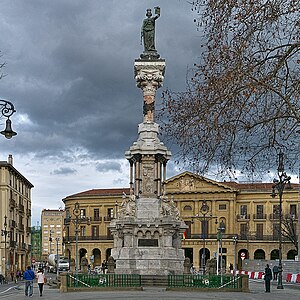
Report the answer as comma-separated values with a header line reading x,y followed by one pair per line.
x,y
204,227
96,214
95,231
188,230
293,210
82,213
276,210
243,231
222,206
82,231
110,212
259,231
276,231
243,210
259,211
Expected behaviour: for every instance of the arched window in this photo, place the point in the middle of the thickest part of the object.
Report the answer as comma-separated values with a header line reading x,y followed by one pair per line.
x,y
187,207
259,254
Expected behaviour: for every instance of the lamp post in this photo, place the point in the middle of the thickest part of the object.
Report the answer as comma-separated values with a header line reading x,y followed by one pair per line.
x,y
221,230
76,213
234,238
7,110
77,220
279,185
57,257
5,233
204,218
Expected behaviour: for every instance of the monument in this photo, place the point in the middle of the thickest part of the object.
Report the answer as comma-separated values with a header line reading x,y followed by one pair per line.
x,y
147,229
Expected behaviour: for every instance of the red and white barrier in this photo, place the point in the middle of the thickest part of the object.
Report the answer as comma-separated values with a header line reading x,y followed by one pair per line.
x,y
293,278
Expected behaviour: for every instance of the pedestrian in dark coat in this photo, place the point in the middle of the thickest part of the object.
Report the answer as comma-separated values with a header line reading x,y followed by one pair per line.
x,y
268,278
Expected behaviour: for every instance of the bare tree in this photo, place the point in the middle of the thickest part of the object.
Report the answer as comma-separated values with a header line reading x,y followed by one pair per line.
x,y
289,225
242,101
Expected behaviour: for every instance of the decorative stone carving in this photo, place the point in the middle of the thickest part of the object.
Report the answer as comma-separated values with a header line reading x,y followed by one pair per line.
x,y
128,206
168,207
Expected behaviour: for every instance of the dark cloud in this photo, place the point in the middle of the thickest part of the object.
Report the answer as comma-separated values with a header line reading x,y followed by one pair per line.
x,y
108,166
64,171
70,76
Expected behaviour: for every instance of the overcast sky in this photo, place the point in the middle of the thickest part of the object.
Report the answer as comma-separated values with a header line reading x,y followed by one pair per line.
x,y
70,76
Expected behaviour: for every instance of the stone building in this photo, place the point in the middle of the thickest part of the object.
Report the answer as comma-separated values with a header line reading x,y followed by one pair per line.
x,y
15,218
248,211
52,221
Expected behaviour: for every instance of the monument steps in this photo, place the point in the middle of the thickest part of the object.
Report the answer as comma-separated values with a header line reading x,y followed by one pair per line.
x,y
154,280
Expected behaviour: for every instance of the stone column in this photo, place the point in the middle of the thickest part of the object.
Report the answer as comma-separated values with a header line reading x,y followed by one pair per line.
x,y
149,75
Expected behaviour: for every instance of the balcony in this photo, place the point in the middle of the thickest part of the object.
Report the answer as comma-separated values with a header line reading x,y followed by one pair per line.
x,y
260,217
28,212
68,239
291,216
243,217
21,208
23,246
274,216
21,227
108,218
28,229
67,221
12,223
96,219
12,244
12,203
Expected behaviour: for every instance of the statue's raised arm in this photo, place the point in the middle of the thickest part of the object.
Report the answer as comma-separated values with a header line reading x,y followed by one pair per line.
x,y
148,32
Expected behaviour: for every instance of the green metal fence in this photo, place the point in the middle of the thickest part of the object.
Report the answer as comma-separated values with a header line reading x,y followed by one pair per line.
x,y
103,280
205,281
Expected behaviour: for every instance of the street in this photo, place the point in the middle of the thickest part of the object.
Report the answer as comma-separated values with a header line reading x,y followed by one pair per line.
x,y
291,291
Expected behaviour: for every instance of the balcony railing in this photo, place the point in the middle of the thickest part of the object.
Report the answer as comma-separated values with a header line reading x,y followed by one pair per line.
x,y
274,216
21,208
259,216
28,229
96,219
12,202
12,223
243,217
21,227
67,239
108,218
28,212
12,244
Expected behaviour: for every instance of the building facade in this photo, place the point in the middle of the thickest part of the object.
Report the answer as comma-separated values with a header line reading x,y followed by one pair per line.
x,y
15,218
52,222
246,213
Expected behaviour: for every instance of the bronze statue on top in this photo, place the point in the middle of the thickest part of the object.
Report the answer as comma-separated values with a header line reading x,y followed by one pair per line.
x,y
148,34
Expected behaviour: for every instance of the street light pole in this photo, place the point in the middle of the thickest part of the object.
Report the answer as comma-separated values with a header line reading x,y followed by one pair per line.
x,y
221,230
57,257
76,213
235,266
5,233
279,185
204,210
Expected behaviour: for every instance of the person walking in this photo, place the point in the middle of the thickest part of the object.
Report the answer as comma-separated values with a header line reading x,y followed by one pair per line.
x,y
268,278
28,276
275,272
40,280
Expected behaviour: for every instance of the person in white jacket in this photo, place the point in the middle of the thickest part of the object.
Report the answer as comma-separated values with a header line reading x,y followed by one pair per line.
x,y
40,280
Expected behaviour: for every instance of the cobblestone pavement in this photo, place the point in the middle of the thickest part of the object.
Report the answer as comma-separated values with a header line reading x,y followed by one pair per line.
x,y
257,292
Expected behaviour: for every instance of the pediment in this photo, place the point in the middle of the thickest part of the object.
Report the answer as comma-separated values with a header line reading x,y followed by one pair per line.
x,y
188,182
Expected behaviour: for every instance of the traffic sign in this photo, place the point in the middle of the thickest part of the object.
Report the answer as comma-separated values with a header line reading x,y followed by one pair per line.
x,y
243,255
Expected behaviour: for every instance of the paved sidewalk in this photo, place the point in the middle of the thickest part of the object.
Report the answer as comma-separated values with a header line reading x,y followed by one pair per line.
x,y
151,293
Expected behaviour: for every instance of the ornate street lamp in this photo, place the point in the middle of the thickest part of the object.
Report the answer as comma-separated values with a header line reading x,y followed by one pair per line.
x,y
279,185
235,239
5,233
221,230
204,218
57,257
7,110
